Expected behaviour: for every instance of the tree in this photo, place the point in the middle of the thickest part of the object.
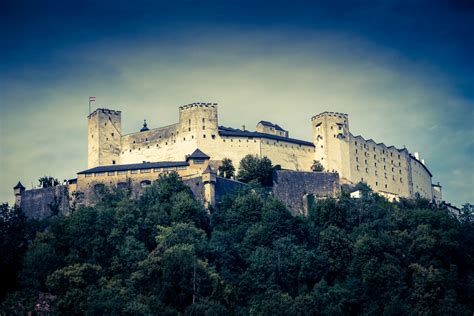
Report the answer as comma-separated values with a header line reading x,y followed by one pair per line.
x,y
317,166
254,168
48,181
227,169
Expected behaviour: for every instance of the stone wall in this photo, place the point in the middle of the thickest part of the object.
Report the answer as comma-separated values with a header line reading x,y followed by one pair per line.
x,y
227,186
46,202
292,188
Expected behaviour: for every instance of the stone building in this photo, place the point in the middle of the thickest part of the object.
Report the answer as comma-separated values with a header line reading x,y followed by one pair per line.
x,y
195,146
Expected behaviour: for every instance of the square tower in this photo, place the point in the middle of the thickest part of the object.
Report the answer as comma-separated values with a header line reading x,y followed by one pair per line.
x,y
104,136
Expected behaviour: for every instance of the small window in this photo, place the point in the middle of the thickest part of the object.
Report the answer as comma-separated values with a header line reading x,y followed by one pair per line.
x,y
89,175
112,134
156,169
122,172
181,168
113,162
204,136
111,173
376,183
204,127
214,137
145,170
203,120
133,171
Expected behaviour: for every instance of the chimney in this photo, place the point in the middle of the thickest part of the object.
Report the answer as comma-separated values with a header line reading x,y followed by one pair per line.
x,y
417,155
422,161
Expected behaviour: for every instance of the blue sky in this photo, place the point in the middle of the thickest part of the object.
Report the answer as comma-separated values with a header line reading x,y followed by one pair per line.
x,y
402,70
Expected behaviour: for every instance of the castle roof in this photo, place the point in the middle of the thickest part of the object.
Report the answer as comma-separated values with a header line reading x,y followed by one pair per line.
x,y
198,154
18,186
270,124
136,166
227,131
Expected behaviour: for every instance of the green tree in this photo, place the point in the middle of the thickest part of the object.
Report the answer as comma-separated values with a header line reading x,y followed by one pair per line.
x,y
226,169
317,166
254,168
48,181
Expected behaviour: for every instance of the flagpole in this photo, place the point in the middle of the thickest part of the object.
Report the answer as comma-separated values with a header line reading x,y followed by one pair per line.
x,y
89,105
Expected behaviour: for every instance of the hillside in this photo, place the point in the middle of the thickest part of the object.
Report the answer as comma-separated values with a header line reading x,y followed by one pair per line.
x,y
163,254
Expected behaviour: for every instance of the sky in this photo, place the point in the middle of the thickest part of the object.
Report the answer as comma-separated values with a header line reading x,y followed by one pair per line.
x,y
402,70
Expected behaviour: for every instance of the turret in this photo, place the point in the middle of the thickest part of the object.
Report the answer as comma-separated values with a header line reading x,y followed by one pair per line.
x,y
104,133
18,191
331,137
198,119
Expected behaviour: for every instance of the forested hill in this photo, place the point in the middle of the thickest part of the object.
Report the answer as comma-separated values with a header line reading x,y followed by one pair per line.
x,y
164,255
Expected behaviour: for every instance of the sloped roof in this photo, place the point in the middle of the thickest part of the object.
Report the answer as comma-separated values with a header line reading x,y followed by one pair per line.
x,y
18,186
227,131
136,166
270,124
198,154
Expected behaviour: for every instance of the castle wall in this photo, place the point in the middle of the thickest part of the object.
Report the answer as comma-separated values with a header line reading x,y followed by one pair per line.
x,y
292,187
46,202
384,169
168,143
288,155
421,179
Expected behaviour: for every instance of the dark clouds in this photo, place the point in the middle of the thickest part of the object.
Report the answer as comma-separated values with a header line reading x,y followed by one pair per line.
x,y
361,57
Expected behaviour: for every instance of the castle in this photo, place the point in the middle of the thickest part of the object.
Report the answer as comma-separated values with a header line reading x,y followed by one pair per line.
x,y
195,146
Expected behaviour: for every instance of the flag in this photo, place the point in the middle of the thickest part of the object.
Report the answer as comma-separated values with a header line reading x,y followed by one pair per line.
x,y
91,99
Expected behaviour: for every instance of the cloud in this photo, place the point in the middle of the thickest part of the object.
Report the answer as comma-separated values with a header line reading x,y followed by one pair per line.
x,y
281,76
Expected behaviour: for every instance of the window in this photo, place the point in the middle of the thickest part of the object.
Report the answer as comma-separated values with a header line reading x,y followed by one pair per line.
x,y
133,171
375,164
376,183
145,170
198,161
122,172
112,134
111,173
357,167
214,137
113,162
89,175
156,169
203,120
385,185
181,168
99,174
204,136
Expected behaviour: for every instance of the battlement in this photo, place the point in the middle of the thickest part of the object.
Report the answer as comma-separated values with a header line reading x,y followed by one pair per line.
x,y
335,114
105,111
197,104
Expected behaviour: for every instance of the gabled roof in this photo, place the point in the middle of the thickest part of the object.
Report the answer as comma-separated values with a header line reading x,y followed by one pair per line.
x,y
18,186
136,166
198,154
227,131
270,124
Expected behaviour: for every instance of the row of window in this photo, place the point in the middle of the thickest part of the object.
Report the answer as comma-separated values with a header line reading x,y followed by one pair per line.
x,y
376,174
135,171
375,148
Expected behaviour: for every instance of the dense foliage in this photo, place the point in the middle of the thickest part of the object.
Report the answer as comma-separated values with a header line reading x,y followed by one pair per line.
x,y
256,169
164,255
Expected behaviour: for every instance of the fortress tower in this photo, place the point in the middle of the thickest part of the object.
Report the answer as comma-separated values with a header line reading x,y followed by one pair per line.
x,y
200,120
331,137
104,135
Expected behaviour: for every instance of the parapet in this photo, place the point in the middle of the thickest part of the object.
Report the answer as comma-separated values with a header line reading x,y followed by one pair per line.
x,y
198,104
103,110
335,114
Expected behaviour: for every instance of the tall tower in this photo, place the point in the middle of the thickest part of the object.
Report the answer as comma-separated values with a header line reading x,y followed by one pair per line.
x,y
331,138
103,141
199,120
